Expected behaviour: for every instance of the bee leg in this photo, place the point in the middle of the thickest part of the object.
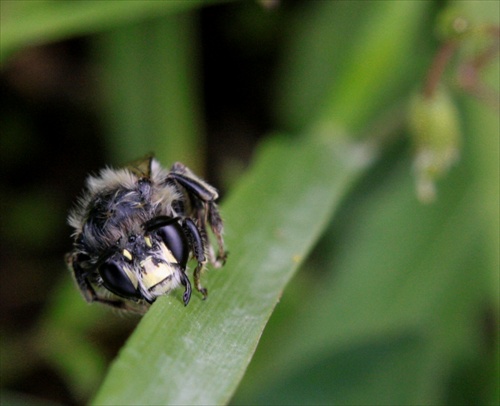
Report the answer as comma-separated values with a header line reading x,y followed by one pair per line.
x,y
217,227
187,293
194,185
203,197
198,248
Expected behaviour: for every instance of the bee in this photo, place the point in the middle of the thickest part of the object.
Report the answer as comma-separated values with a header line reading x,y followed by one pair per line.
x,y
135,230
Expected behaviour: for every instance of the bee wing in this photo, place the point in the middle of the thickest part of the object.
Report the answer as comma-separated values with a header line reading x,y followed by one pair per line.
x,y
141,167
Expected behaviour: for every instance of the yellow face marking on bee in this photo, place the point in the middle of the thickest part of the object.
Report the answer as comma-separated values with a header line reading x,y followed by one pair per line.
x,y
131,276
126,253
169,257
148,242
154,274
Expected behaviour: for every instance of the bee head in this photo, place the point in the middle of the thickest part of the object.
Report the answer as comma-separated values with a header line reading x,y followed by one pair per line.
x,y
150,264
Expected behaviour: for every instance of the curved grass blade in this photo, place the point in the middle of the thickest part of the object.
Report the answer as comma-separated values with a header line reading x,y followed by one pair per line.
x,y
26,23
198,354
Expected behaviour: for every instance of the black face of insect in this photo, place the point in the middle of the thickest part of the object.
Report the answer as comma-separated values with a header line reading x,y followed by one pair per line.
x,y
136,228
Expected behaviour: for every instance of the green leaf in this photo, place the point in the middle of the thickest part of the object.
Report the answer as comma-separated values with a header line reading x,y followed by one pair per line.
x,y
350,61
198,354
397,314
26,23
378,62
149,111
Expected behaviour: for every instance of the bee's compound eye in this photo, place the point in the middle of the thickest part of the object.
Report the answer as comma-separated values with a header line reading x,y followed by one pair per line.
x,y
119,279
175,240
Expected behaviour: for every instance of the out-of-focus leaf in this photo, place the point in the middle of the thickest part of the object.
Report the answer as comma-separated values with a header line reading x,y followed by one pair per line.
x,y
25,22
350,59
155,108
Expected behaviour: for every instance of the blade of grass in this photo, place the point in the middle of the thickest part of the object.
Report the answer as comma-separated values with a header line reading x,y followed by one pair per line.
x,y
351,58
149,87
198,354
377,64
26,23
402,274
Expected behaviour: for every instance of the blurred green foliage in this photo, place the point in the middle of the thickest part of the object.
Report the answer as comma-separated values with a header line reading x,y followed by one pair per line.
x,y
395,301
